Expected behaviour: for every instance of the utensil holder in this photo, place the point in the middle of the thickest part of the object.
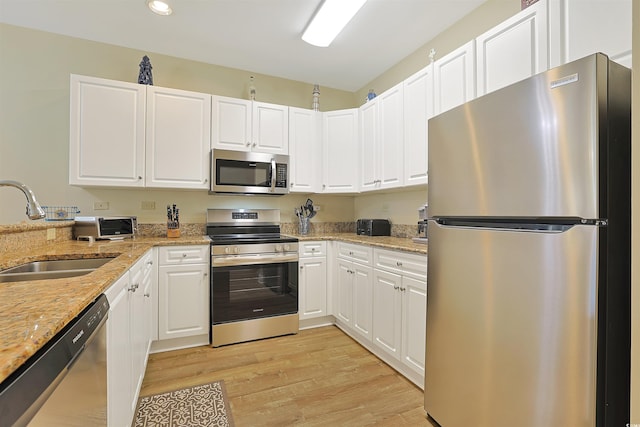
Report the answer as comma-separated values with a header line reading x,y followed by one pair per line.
x,y
303,225
173,232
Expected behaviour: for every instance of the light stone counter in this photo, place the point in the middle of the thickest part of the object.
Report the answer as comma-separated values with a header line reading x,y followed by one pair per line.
x,y
385,242
31,313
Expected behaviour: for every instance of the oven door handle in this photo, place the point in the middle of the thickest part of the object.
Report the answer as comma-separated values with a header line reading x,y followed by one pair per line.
x,y
236,260
273,174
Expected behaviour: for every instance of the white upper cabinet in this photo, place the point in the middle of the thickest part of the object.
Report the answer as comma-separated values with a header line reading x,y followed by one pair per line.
x,y
418,109
305,150
107,132
178,138
514,50
454,78
579,28
381,140
340,151
243,125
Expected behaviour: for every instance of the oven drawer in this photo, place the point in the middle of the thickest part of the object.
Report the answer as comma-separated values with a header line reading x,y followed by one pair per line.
x,y
176,255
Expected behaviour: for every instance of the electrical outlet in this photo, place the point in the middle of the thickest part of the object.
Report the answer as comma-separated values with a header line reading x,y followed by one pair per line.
x,y
148,205
100,206
317,208
51,233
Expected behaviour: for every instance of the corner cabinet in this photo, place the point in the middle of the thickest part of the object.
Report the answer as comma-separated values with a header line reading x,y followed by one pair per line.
x,y
106,132
178,138
305,150
340,157
244,125
183,297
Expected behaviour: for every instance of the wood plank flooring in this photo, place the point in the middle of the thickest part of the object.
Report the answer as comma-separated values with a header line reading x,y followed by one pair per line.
x,y
319,377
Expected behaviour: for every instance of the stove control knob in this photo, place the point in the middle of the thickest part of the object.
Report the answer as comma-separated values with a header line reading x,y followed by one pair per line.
x,y
235,250
278,248
226,250
287,248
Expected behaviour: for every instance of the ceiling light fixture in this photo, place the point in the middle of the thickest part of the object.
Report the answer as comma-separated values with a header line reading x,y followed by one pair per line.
x,y
329,20
160,7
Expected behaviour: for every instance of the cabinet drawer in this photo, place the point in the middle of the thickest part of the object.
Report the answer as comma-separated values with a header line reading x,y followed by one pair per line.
x,y
175,255
400,262
358,253
312,249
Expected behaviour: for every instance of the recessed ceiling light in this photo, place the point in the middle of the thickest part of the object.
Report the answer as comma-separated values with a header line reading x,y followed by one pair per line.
x,y
160,7
329,20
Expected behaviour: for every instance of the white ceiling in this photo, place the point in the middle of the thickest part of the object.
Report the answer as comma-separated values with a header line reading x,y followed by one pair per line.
x,y
260,36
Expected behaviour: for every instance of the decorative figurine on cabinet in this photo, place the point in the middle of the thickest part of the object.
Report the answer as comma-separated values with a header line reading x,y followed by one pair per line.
x,y
145,77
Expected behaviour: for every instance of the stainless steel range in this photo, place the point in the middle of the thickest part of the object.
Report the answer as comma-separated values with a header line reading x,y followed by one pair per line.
x,y
254,276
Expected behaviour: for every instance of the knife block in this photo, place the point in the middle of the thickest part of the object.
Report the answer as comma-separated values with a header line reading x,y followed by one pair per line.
x,y
173,232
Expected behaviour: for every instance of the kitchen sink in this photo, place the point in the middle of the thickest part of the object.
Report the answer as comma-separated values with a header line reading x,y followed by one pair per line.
x,y
55,269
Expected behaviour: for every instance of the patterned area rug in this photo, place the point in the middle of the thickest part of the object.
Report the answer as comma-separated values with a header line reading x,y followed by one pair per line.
x,y
200,406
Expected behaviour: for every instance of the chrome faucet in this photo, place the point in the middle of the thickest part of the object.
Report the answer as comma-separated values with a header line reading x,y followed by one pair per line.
x,y
34,211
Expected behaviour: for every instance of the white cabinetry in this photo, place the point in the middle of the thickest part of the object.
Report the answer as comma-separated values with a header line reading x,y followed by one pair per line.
x,y
178,138
340,151
107,132
418,109
312,280
354,292
244,125
305,150
399,310
382,143
183,296
579,28
514,50
128,338
454,78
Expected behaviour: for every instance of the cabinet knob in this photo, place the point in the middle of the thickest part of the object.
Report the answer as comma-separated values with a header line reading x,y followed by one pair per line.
x,y
248,143
148,295
139,177
398,263
149,262
206,180
254,144
396,288
301,267
184,255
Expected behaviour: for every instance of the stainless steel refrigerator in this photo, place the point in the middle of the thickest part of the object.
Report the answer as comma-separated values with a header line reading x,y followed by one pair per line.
x,y
528,306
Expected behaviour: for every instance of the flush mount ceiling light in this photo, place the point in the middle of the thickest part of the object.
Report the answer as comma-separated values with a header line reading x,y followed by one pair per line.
x,y
329,20
160,7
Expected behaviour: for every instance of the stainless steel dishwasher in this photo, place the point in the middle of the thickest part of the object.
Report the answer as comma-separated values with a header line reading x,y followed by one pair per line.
x,y
64,383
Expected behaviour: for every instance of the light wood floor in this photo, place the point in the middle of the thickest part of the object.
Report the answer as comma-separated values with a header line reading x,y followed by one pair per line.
x,y
319,377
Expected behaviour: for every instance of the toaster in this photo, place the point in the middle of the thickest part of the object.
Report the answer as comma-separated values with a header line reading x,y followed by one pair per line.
x,y
104,228
373,227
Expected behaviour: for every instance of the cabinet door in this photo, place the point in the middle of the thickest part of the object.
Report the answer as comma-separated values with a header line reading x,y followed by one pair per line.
x,y
369,145
183,300
514,50
106,132
418,109
340,156
178,138
362,301
414,323
313,288
579,28
344,292
305,150
387,307
454,78
270,128
119,365
138,331
391,151
231,123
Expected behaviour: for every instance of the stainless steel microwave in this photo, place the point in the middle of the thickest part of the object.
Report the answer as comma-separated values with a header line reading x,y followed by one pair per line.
x,y
249,173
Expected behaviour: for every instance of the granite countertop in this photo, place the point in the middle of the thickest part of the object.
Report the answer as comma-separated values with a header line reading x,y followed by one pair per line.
x,y
32,312
395,243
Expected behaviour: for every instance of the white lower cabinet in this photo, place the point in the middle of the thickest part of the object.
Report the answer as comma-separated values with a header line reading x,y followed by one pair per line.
x,y
312,280
183,297
354,289
400,310
128,339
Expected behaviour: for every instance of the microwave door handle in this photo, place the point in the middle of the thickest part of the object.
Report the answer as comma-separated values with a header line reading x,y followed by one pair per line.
x,y
273,174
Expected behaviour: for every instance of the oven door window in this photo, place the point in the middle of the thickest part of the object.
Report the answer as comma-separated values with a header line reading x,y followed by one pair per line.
x,y
243,173
253,291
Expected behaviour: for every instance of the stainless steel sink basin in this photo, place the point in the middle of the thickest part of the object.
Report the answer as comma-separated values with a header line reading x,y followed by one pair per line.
x,y
38,270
